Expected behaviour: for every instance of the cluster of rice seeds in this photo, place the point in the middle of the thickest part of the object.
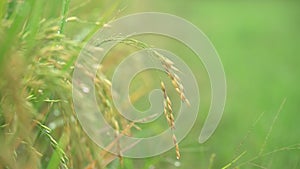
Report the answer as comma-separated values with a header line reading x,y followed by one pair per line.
x,y
110,114
103,90
176,81
168,112
170,70
168,65
103,86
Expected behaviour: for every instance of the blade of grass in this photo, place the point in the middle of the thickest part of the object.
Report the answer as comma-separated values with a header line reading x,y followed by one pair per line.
x,y
58,157
211,161
286,148
234,160
79,6
11,34
33,23
64,13
109,12
271,127
11,6
69,63
2,9
248,133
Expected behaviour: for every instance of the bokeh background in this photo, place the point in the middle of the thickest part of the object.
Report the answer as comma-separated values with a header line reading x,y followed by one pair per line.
x,y
258,43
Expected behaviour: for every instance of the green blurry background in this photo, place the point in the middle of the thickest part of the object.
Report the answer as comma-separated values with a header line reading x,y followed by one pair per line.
x,y
258,43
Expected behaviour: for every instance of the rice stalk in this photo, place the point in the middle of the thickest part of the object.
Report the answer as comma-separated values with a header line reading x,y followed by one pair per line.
x,y
176,81
168,112
167,64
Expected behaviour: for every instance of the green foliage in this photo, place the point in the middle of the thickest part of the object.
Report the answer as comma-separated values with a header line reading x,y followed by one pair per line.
x,y
36,113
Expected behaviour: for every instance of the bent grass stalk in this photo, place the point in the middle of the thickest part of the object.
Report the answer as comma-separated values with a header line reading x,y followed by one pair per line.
x,y
168,112
170,70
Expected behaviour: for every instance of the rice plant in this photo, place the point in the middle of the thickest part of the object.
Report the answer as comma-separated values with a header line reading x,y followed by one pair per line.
x,y
39,128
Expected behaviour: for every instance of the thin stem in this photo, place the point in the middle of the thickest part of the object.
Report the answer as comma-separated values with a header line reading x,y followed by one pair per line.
x,y
291,147
64,12
271,127
234,160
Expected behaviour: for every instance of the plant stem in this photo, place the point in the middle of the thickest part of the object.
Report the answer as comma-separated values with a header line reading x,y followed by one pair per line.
x,y
64,12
